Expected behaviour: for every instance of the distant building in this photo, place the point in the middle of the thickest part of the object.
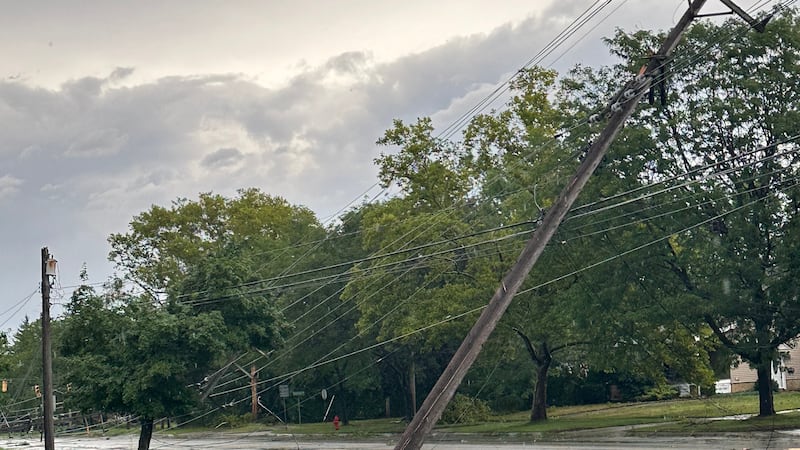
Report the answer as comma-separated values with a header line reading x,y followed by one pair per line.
x,y
785,373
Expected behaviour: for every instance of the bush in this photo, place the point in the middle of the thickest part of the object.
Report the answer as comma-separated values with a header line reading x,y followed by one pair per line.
x,y
659,392
465,410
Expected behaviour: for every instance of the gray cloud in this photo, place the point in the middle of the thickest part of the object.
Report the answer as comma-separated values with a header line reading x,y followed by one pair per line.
x,y
97,143
9,185
223,157
121,73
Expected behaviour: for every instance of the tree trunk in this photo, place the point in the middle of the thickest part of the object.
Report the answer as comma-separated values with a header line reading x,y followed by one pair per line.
x,y
145,434
539,406
343,407
766,405
542,359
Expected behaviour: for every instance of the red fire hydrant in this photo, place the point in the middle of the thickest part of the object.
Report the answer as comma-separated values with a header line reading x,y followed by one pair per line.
x,y
336,422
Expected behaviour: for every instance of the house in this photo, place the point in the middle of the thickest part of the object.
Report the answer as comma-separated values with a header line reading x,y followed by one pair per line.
x,y
785,372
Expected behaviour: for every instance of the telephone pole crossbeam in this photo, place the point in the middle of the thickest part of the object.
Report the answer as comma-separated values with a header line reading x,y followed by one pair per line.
x,y
444,389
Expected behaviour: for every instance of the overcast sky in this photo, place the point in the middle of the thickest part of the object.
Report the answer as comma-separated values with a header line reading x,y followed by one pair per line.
x,y
109,107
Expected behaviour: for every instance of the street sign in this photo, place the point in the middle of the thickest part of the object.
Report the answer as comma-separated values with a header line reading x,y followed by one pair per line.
x,y
324,394
298,393
283,390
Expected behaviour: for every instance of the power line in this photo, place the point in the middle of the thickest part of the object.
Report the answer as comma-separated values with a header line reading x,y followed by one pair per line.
x,y
419,257
19,305
565,34
370,258
532,59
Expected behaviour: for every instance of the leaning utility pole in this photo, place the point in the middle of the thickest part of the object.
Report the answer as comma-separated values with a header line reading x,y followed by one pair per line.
x,y
254,392
48,427
621,107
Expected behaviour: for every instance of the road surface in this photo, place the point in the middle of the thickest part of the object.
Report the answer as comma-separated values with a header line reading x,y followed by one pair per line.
x,y
266,441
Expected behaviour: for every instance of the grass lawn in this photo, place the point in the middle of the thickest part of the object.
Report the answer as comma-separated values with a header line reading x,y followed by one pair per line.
x,y
779,422
674,416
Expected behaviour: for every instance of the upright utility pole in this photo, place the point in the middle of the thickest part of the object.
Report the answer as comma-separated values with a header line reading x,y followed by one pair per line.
x,y
47,359
623,104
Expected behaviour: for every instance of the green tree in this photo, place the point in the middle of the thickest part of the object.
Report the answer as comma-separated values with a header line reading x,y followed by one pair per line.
x,y
514,162
25,360
23,368
729,125
223,282
126,355
322,330
404,290
225,255
208,298
497,181
421,269
521,166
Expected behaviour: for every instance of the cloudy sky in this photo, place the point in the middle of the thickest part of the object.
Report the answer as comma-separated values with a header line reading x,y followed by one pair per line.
x,y
109,107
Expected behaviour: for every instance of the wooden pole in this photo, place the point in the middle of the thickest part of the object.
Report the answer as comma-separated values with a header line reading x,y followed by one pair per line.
x,y
47,359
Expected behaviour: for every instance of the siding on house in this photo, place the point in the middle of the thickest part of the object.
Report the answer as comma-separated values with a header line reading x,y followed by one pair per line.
x,y
743,378
792,363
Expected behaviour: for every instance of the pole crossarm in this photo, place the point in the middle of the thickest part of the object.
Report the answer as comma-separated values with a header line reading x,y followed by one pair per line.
x,y
624,105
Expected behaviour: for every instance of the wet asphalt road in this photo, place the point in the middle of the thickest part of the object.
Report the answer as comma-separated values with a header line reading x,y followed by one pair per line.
x,y
771,441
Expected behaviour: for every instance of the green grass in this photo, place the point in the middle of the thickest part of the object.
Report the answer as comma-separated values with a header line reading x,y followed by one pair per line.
x,y
355,428
779,422
674,416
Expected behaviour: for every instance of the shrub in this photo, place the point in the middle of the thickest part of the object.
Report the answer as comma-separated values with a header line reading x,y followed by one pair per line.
x,y
463,409
659,392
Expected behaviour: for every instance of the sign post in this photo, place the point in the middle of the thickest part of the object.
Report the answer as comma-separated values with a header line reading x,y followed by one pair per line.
x,y
298,394
283,391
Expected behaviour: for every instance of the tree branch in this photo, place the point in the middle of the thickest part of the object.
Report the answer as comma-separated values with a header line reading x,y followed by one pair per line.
x,y
529,346
678,141
786,336
215,377
726,341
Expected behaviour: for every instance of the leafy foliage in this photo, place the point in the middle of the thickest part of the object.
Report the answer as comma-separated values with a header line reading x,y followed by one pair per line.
x,y
126,355
729,185
463,409
164,243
